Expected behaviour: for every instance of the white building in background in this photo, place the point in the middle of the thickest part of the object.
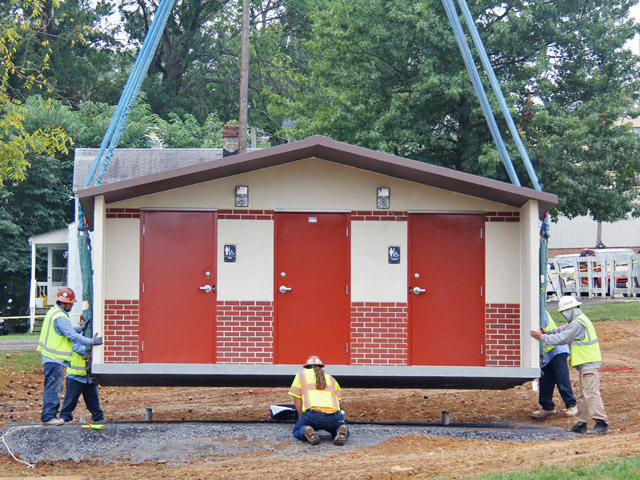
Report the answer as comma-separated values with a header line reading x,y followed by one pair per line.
x,y
572,236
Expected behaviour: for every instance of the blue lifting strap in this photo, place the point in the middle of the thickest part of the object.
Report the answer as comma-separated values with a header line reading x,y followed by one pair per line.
x,y
110,142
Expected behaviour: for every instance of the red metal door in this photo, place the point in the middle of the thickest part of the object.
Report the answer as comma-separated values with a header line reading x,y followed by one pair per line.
x,y
177,316
446,260
312,287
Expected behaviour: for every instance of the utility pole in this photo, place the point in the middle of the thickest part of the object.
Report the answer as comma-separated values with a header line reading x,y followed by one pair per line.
x,y
244,78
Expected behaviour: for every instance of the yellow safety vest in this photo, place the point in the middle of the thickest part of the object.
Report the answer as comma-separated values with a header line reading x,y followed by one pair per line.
x,y
550,326
588,349
51,344
326,400
78,365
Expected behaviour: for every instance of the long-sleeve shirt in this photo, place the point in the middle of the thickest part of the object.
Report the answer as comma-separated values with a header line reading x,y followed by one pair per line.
x,y
565,335
62,326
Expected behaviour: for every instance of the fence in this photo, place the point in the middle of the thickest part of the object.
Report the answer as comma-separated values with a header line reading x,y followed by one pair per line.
x,y
599,276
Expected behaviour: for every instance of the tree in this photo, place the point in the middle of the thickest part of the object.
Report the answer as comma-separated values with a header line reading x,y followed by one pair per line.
x,y
388,75
19,74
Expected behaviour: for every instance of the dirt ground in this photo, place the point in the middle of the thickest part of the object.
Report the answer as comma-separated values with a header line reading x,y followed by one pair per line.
x,y
414,456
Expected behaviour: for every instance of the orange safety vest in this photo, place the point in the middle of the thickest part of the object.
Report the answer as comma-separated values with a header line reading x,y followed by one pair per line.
x,y
326,400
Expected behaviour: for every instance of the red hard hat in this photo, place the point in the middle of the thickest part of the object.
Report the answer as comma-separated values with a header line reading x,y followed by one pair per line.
x,y
65,295
314,360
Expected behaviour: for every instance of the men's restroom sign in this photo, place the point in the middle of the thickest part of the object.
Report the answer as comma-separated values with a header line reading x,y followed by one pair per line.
x,y
229,253
394,255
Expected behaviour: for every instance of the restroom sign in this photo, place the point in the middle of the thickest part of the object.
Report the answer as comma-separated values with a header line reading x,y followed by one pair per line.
x,y
229,253
394,255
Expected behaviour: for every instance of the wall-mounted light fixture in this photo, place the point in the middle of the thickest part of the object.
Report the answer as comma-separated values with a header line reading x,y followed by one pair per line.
x,y
242,196
383,197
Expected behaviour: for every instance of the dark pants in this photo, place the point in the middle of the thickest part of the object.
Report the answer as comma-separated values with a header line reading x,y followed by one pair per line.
x,y
53,383
319,421
556,372
90,393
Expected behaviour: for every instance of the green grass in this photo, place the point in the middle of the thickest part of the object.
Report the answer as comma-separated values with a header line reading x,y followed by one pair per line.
x,y
606,312
623,469
21,362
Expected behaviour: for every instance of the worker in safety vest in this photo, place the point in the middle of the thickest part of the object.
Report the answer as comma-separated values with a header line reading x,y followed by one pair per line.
x,y
580,334
317,396
55,345
79,382
554,372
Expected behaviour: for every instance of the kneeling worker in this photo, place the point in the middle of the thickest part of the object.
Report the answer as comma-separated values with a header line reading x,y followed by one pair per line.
x,y
317,396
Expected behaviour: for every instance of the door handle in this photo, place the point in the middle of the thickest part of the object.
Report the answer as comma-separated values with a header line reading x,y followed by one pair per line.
x,y
206,288
418,290
284,289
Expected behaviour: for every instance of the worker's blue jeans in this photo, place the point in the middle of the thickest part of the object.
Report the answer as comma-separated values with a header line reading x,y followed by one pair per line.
x,y
556,372
319,421
53,383
89,392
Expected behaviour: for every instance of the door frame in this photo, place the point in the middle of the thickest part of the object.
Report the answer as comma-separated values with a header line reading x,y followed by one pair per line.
x,y
347,214
214,271
411,213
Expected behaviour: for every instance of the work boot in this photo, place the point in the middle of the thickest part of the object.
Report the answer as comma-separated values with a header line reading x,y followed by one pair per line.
x,y
579,427
341,436
54,422
600,428
311,436
571,411
542,413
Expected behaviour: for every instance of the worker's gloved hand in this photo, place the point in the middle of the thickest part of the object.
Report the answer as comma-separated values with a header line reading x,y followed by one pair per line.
x,y
96,340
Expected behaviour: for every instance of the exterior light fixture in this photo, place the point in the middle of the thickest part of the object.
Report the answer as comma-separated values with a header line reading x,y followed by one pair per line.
x,y
383,197
242,196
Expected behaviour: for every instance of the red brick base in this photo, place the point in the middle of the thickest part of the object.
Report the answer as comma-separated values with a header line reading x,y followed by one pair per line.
x,y
121,331
502,330
244,332
379,333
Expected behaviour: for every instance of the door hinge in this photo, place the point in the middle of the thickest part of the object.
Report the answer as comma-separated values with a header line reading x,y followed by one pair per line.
x,y
347,232
346,346
481,232
143,229
142,346
143,288
481,349
481,291
346,289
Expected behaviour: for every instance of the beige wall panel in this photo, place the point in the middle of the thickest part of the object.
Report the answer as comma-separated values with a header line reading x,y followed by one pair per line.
x,y
502,262
122,259
373,279
251,276
529,282
313,184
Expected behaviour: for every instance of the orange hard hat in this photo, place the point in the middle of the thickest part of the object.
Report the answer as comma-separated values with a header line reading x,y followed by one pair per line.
x,y
65,295
313,360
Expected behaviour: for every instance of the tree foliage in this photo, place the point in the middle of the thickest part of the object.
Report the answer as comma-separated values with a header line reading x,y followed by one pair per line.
x,y
21,25
388,75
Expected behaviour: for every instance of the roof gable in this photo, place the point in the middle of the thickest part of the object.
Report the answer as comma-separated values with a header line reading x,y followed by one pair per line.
x,y
318,147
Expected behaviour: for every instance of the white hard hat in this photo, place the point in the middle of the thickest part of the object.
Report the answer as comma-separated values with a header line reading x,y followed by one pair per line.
x,y
566,302
313,360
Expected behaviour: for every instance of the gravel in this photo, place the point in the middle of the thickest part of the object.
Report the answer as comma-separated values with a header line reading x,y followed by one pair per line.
x,y
176,443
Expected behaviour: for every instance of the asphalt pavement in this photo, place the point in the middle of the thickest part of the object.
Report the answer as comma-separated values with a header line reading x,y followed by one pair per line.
x,y
18,345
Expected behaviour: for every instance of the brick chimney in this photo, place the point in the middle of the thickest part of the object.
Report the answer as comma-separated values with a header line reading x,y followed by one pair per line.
x,y
230,134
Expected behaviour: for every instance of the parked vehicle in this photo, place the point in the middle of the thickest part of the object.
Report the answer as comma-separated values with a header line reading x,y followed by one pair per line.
x,y
4,328
607,256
